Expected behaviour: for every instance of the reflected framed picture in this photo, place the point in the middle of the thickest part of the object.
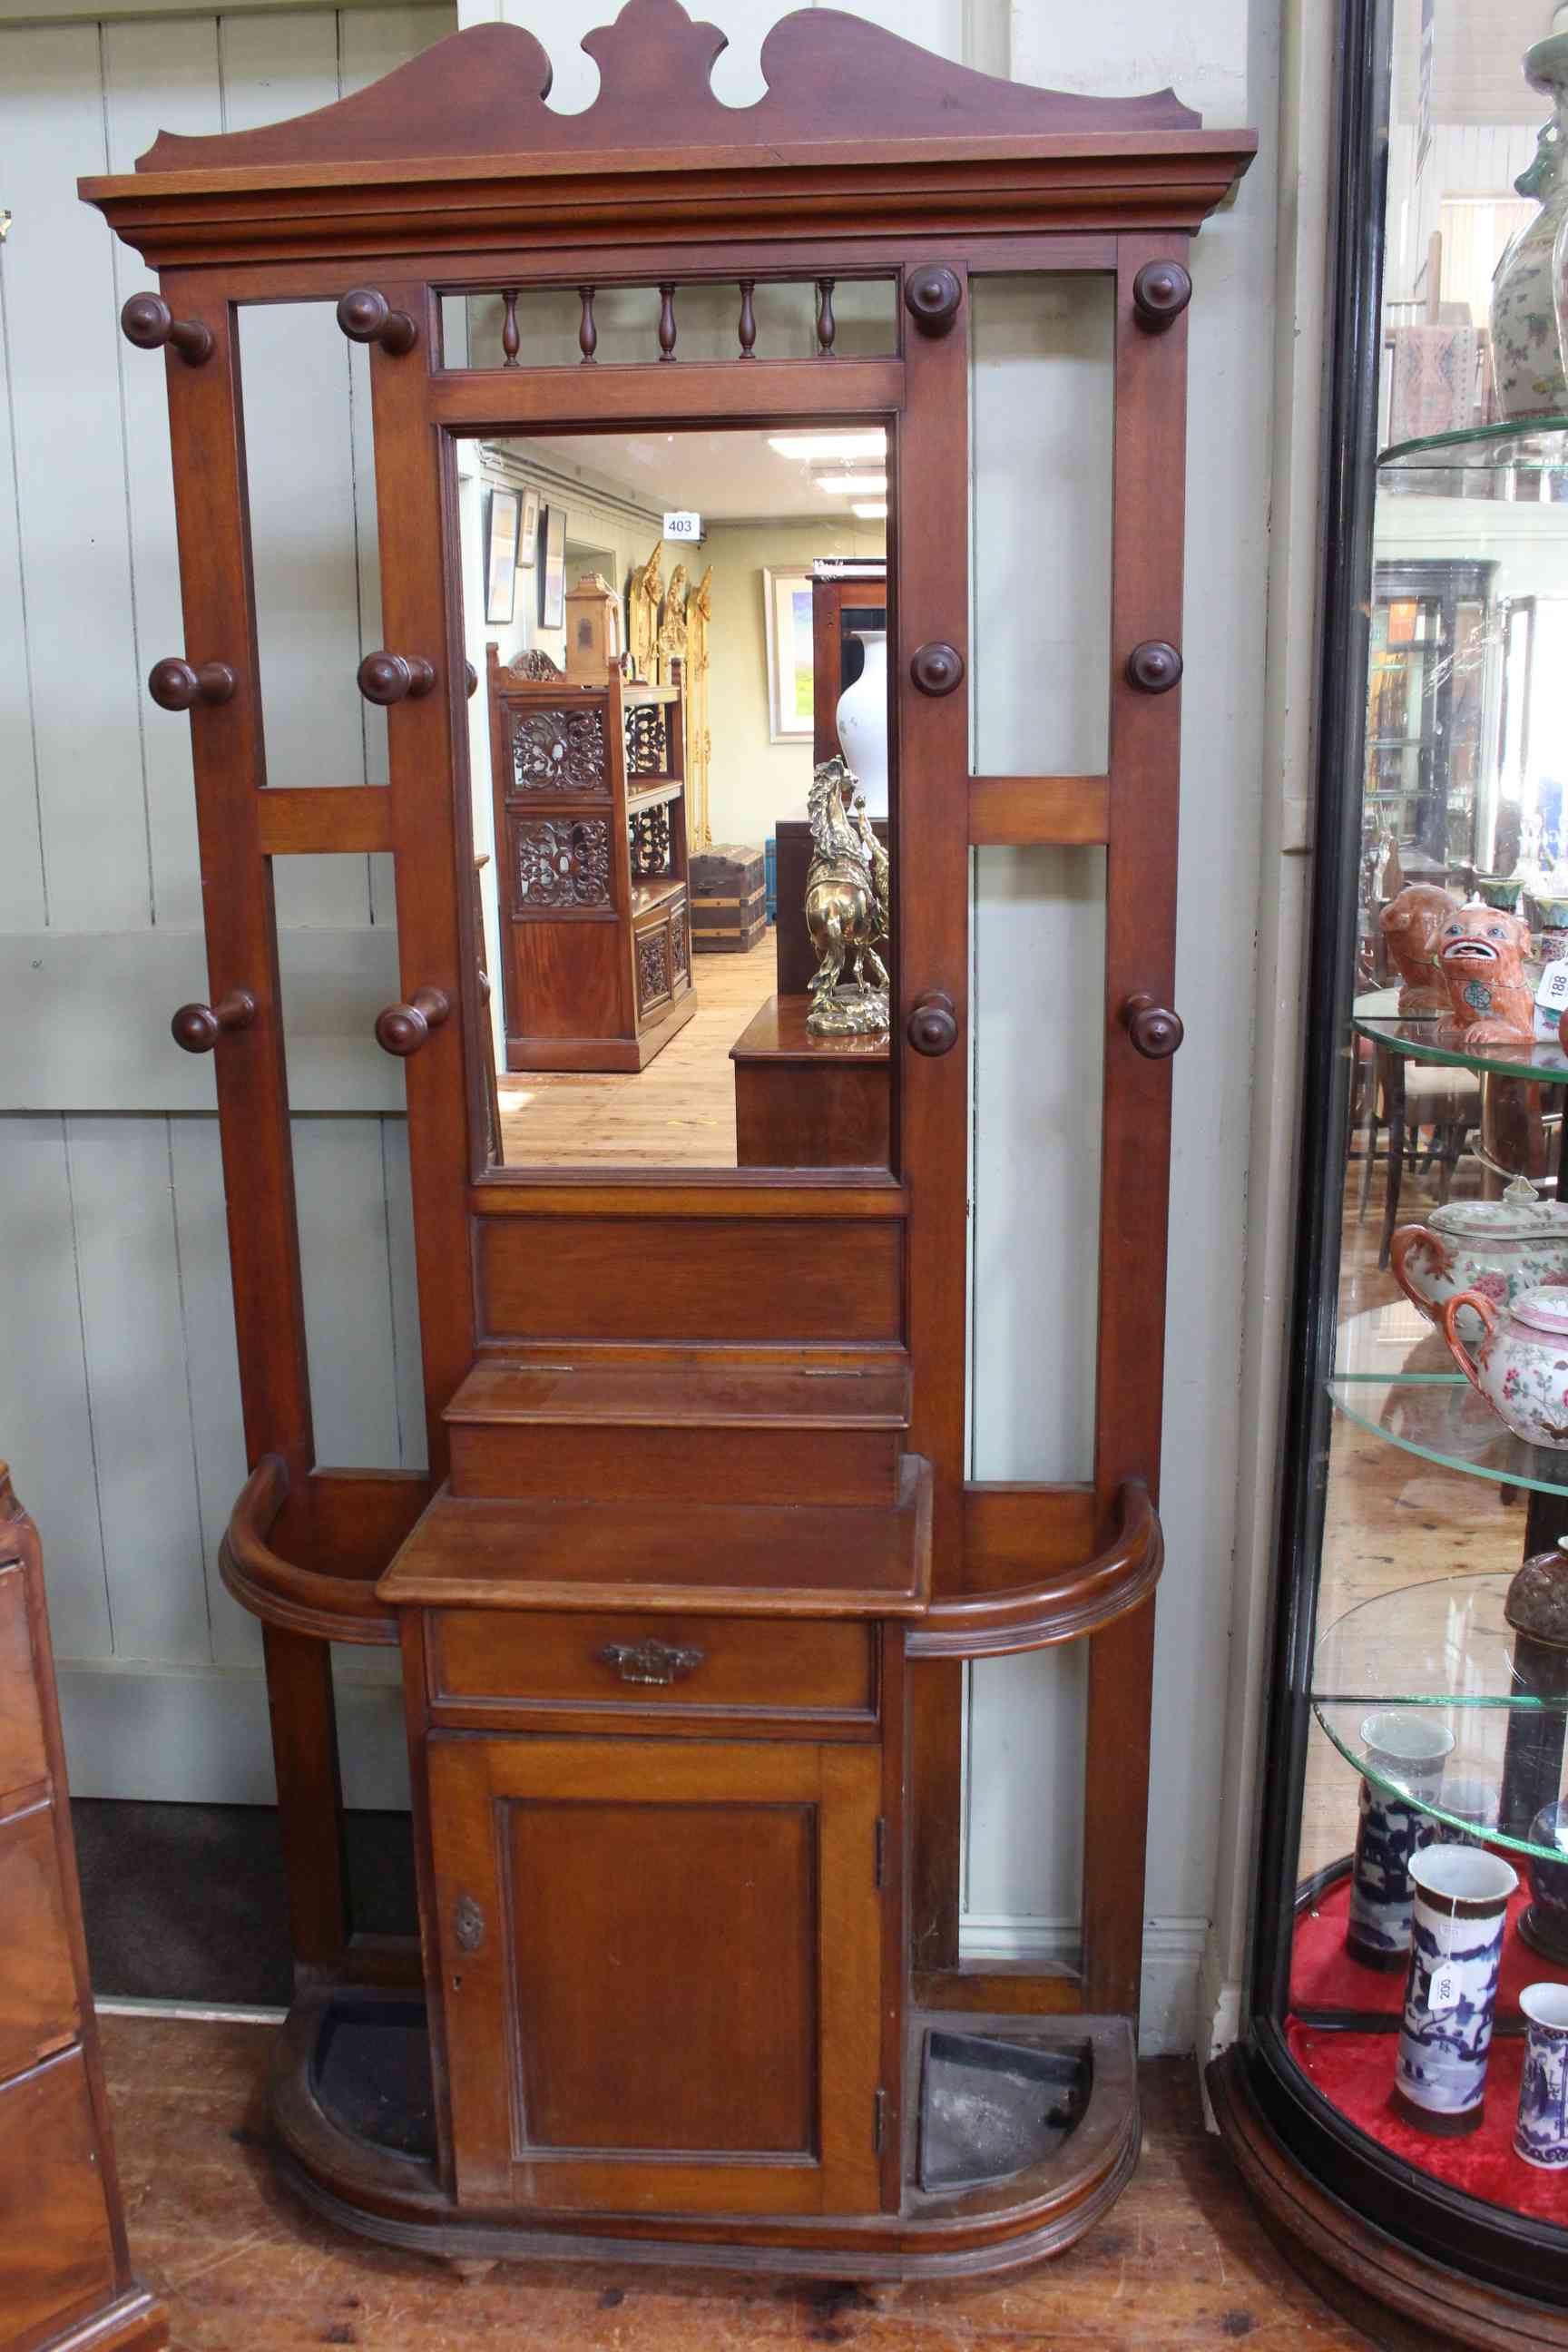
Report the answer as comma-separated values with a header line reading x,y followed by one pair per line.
x,y
528,539
786,600
501,555
552,578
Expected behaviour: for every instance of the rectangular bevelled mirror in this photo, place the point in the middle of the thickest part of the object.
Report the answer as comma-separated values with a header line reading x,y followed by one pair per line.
x,y
682,816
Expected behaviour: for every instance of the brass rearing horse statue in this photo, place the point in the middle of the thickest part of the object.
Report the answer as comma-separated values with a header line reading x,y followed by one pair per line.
x,y
848,909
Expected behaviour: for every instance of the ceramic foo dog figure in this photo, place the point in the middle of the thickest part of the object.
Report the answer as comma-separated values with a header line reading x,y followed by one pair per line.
x,y
847,908
1413,924
1482,953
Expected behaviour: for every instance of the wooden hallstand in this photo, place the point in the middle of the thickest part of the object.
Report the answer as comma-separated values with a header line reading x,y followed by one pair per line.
x,y
683,1602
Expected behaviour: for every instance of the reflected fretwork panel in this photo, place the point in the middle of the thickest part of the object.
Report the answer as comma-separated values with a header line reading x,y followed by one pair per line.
x,y
589,811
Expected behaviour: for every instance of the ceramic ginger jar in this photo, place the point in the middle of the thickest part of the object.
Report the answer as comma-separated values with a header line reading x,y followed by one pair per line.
x,y
1481,951
1520,1363
1500,1248
1527,358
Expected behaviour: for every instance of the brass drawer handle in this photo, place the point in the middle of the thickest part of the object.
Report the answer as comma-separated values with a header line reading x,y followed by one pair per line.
x,y
650,1661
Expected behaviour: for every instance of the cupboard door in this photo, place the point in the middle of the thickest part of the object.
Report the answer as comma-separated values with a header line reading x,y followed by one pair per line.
x,y
661,1972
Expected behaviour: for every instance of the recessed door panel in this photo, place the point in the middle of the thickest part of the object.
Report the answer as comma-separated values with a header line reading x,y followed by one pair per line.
x,y
680,2013
662,1973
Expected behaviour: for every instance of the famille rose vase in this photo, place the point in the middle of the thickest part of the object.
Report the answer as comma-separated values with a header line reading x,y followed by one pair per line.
x,y
1500,1248
1527,358
1521,1362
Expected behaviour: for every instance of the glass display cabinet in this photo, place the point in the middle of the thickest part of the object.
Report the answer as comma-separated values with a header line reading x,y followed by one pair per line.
x,y
1422,1694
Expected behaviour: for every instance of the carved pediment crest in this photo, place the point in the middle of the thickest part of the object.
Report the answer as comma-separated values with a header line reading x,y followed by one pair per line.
x,y
831,76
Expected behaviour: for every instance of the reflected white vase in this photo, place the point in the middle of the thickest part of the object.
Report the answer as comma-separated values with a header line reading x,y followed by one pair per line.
x,y
863,723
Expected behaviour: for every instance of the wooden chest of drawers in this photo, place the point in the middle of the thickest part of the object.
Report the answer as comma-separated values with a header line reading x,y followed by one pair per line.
x,y
65,2279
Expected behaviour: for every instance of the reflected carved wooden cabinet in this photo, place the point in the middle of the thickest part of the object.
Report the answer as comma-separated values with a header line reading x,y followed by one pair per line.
x,y
684,1599
590,820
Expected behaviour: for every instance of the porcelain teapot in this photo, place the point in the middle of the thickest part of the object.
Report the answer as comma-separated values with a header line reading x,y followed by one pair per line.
x,y
1500,1248
1521,1364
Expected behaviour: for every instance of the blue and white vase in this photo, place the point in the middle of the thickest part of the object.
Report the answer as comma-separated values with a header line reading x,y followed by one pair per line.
x,y
1541,2135
1406,1746
1471,1801
1450,1993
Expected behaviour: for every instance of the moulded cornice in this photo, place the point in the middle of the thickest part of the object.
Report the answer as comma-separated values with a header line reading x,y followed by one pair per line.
x,y
458,150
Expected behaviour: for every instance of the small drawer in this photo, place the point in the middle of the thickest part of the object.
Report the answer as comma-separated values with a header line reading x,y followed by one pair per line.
x,y
24,1760
685,1665
39,2011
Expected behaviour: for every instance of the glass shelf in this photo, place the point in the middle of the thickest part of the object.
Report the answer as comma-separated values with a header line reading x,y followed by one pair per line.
x,y
1447,1649
1375,1017
1534,449
1443,1420
1392,1341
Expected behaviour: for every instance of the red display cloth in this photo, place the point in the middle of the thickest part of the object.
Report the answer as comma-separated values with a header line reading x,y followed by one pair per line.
x,y
1324,1976
1354,2071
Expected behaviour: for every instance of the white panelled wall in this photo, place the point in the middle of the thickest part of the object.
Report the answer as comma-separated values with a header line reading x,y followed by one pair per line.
x,y
118,1389
119,1392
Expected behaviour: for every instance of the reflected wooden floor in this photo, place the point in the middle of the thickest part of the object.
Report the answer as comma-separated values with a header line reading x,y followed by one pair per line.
x,y
677,1113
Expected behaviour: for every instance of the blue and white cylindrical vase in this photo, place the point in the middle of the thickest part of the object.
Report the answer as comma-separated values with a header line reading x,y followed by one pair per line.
x,y
1464,1798
1456,1952
1406,1746
1541,2135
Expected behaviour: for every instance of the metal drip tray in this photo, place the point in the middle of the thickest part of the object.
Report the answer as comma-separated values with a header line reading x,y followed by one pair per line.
x,y
990,2109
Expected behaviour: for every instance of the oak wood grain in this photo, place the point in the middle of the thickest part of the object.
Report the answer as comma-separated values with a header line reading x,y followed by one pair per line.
x,y
297,820
1031,812
801,1560
585,1280
1149,475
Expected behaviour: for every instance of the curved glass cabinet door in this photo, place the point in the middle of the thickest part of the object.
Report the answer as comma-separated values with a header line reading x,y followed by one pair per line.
x,y
1417,1726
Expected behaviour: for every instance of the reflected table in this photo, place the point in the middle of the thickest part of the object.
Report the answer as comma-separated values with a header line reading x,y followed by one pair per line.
x,y
809,1102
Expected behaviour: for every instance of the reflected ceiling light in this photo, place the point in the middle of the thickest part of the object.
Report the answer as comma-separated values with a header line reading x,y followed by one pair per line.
x,y
872,510
853,486
809,446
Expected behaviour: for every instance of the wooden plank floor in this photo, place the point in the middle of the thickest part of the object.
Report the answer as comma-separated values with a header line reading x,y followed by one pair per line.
x,y
1180,2264
679,1112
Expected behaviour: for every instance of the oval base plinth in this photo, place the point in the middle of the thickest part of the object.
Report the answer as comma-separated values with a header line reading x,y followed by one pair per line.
x,y
1377,2260
389,2190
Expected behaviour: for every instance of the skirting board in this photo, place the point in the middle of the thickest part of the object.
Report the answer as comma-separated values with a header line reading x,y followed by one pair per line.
x,y
1172,1960
202,1738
